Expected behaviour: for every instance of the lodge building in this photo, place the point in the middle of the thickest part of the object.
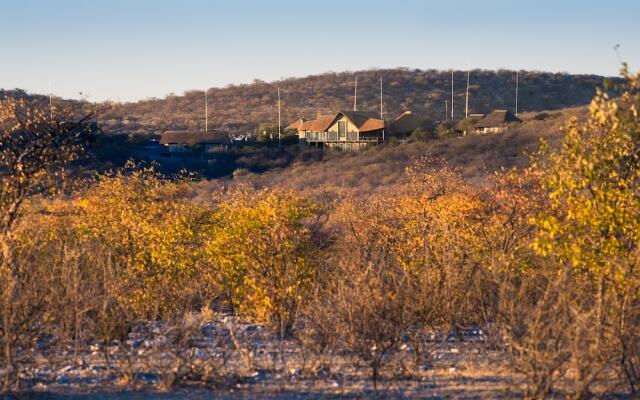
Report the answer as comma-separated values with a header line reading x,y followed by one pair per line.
x,y
353,130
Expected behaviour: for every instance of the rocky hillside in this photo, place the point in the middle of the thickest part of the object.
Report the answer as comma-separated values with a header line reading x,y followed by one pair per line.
x,y
243,107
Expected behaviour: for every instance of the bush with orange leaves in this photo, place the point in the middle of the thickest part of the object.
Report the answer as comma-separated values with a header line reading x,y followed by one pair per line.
x,y
417,258
155,237
129,246
262,251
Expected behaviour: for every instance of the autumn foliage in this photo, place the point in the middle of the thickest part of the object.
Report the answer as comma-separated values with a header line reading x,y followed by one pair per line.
x,y
543,259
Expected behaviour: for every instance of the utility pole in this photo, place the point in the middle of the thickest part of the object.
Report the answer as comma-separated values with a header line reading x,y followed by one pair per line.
x,y
381,98
383,135
446,110
452,94
355,95
50,101
279,120
517,84
206,113
466,100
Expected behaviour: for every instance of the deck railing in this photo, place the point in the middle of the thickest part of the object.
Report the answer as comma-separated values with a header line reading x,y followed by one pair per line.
x,y
334,137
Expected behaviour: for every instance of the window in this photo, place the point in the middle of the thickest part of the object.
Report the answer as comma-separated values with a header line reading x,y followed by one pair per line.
x,y
342,129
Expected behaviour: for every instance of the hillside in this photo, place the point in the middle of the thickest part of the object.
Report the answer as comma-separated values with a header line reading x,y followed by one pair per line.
x,y
266,166
477,157
243,107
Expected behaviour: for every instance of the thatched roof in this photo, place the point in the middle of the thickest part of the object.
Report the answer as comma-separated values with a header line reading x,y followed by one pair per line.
x,y
194,137
468,122
406,122
497,118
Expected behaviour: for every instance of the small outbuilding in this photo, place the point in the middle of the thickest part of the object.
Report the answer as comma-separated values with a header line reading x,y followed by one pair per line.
x,y
406,123
467,125
495,122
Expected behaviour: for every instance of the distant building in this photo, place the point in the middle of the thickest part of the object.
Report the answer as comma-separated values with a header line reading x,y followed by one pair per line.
x,y
319,124
348,130
495,122
467,125
194,141
406,123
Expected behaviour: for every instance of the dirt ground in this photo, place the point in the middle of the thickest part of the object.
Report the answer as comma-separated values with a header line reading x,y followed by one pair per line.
x,y
229,358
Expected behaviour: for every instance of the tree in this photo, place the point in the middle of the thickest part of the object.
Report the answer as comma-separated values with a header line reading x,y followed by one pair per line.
x,y
590,241
35,147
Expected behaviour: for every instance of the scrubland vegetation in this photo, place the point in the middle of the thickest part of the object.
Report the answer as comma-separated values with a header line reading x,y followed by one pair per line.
x,y
543,261
423,91
243,107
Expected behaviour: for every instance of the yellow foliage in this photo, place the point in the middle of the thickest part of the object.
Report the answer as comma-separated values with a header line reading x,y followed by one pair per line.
x,y
262,252
149,229
593,224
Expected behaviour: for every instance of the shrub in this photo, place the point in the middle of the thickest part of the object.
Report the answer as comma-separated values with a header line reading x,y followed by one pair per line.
x,y
588,242
262,251
154,236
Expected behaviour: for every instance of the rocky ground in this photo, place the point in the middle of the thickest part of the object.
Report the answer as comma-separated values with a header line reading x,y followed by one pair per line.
x,y
228,357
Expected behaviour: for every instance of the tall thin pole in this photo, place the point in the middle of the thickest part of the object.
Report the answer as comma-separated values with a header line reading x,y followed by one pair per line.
x,y
383,135
279,119
517,87
206,113
446,110
451,94
355,95
466,100
381,98
50,101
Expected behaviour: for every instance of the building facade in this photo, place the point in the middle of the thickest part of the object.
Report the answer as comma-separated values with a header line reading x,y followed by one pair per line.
x,y
347,130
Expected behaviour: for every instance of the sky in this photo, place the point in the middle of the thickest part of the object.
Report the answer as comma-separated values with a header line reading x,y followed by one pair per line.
x,y
126,50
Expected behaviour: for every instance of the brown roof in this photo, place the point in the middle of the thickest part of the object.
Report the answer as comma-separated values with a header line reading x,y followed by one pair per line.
x,y
363,120
194,137
497,118
319,124
295,125
405,123
469,122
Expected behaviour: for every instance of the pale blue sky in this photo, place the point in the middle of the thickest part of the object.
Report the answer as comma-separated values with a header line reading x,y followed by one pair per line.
x,y
132,49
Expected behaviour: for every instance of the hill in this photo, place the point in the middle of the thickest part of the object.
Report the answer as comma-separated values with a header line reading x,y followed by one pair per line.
x,y
477,157
243,107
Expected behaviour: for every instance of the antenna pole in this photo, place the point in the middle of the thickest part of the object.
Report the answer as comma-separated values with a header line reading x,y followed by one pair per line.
x,y
206,113
517,84
381,98
466,100
451,94
279,120
446,110
50,101
355,95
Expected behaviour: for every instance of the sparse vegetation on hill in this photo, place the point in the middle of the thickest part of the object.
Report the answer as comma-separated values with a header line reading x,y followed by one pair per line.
x,y
477,157
244,107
